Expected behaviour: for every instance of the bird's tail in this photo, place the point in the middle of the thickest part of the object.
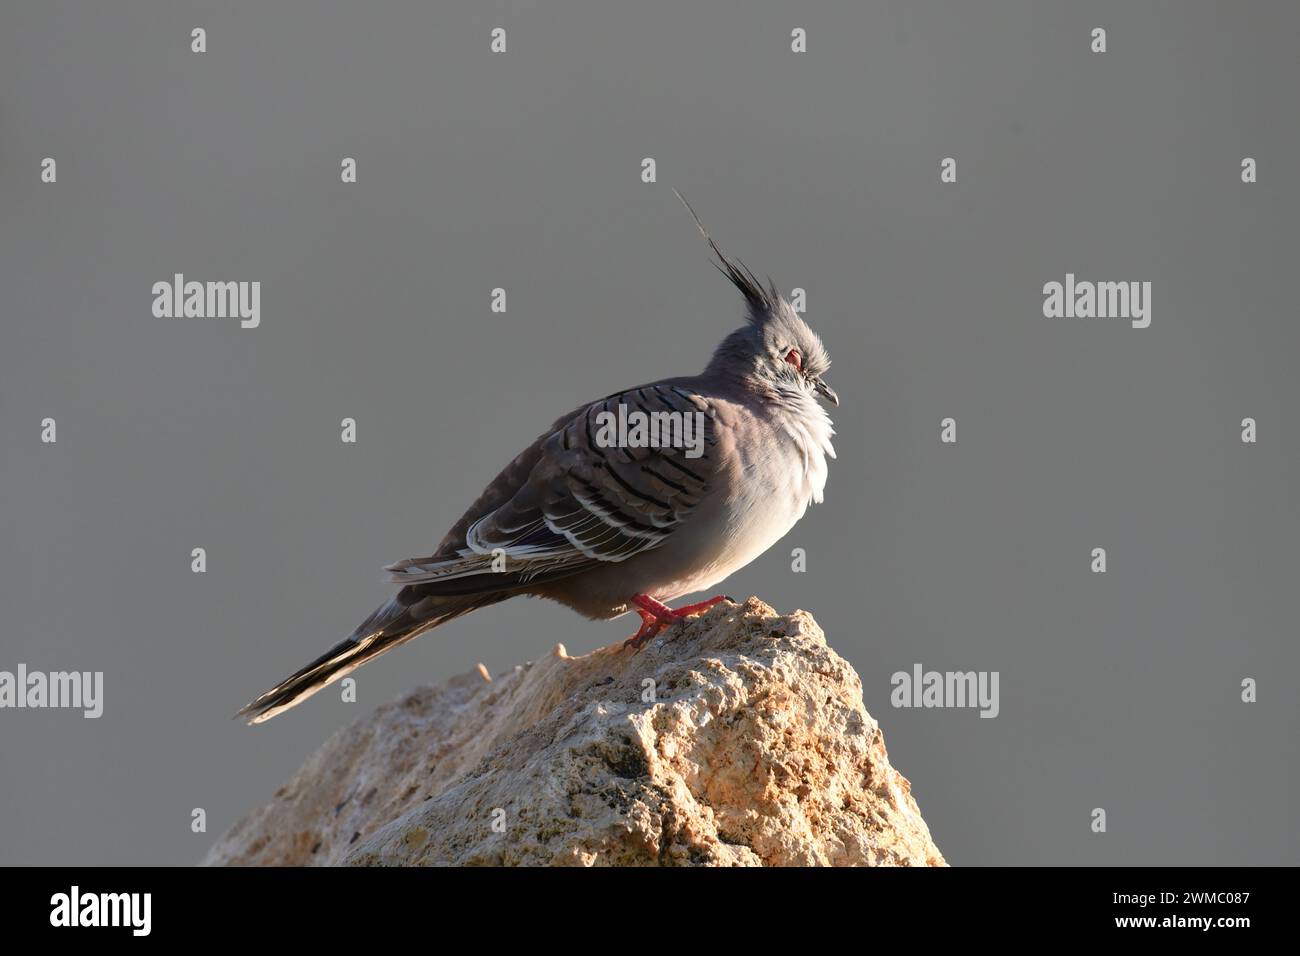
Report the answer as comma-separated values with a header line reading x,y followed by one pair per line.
x,y
403,618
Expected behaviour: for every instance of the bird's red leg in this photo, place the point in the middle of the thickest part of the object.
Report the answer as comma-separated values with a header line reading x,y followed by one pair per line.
x,y
655,616
645,604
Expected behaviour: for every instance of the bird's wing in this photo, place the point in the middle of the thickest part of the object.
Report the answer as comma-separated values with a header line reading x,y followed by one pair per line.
x,y
572,500
567,503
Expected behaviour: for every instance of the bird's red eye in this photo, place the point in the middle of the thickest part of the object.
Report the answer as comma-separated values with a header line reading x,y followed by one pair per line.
x,y
793,358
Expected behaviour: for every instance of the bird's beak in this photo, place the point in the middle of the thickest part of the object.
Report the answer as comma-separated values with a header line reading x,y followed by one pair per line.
x,y
825,391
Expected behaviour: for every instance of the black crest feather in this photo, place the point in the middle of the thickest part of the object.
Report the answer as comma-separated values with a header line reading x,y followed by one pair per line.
x,y
762,302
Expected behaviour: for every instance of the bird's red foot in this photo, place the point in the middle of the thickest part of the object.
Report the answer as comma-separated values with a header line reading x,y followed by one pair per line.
x,y
700,606
650,626
655,616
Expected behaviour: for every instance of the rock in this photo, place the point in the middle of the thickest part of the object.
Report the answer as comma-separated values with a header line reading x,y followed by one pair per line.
x,y
737,738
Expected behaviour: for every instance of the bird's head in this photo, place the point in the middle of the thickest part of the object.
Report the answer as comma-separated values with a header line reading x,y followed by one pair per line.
x,y
776,348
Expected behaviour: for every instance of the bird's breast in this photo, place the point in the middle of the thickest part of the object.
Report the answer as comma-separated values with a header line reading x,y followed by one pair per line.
x,y
782,471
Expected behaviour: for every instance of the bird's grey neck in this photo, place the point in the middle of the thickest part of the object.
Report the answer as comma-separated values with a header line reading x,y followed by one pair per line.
x,y
735,363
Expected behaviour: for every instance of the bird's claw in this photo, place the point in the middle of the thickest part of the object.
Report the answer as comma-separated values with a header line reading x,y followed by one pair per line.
x,y
650,626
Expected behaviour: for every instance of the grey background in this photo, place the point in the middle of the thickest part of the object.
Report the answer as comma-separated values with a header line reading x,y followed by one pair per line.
x,y
522,170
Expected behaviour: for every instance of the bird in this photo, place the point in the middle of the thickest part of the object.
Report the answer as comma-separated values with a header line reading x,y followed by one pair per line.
x,y
605,529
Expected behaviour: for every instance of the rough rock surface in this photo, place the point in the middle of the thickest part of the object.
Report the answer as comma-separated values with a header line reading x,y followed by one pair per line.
x,y
751,747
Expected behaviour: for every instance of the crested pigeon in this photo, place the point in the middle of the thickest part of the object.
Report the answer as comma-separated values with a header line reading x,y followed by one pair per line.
x,y
605,524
